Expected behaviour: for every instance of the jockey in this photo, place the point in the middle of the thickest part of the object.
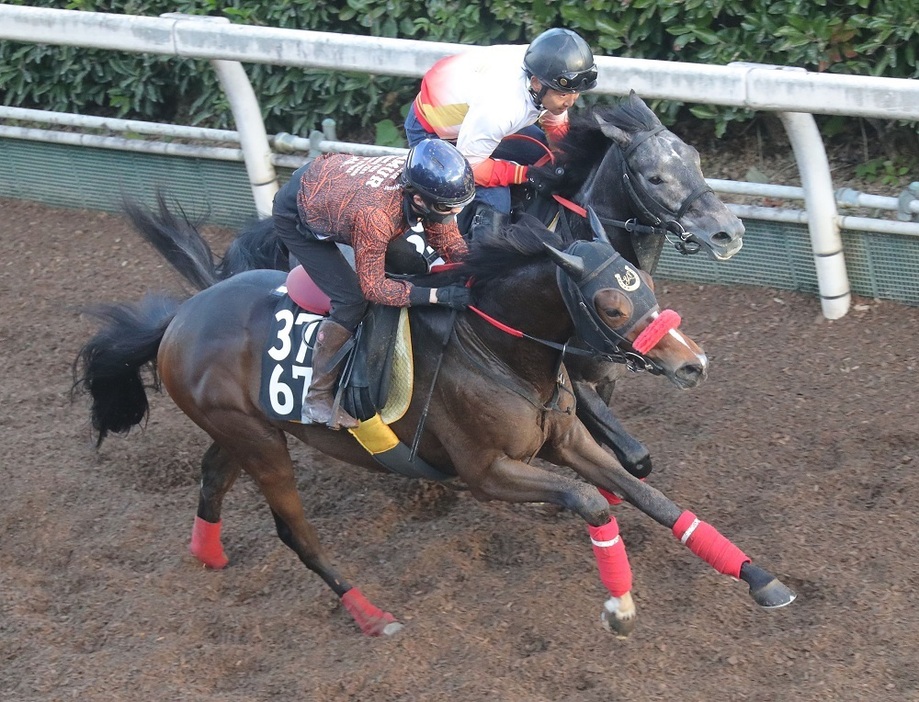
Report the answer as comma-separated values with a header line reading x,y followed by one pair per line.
x,y
367,202
479,97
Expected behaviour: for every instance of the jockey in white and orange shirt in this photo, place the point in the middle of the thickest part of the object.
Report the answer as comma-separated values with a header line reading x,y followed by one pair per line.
x,y
478,98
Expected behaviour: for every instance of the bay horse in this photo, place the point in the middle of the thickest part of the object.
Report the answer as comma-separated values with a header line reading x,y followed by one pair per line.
x,y
642,180
502,397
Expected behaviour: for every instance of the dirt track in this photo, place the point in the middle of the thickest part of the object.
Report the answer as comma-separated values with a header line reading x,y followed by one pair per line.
x,y
802,448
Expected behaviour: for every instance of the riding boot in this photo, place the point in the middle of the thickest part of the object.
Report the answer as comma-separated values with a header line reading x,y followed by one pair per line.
x,y
317,407
487,220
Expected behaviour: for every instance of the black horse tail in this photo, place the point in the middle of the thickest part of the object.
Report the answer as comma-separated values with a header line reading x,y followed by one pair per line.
x,y
256,246
178,239
109,366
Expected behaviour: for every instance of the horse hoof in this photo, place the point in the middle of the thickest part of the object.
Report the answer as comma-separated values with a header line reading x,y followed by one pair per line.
x,y
392,628
618,616
766,590
773,595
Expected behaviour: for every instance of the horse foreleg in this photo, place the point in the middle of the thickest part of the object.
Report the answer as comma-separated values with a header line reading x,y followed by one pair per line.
x,y
619,611
510,480
218,473
514,481
607,430
589,460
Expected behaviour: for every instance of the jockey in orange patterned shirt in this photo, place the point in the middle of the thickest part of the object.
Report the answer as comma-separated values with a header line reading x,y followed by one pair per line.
x,y
478,98
366,203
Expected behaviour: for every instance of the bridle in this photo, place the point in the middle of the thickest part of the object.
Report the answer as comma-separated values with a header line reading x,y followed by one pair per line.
x,y
602,341
628,356
660,219
663,220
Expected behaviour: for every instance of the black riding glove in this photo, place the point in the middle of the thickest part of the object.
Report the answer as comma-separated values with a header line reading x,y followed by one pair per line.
x,y
545,179
456,297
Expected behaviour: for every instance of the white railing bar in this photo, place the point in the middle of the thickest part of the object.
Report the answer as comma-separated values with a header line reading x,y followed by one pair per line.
x,y
294,161
289,143
114,124
848,222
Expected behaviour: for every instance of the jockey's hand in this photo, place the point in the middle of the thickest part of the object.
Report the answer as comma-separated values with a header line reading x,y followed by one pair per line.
x,y
456,297
545,179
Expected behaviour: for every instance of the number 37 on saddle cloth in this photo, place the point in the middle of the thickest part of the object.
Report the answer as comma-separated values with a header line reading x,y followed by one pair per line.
x,y
288,356
378,375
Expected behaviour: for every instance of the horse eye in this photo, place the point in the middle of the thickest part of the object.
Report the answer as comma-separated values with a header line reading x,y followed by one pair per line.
x,y
613,313
656,180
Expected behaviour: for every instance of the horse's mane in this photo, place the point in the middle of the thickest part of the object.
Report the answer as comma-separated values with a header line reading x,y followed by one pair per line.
x,y
585,144
495,254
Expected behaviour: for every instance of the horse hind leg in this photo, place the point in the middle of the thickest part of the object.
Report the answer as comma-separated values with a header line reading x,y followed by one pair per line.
x,y
268,461
218,473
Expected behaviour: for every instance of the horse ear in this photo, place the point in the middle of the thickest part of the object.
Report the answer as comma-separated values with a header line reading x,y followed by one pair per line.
x,y
611,131
596,226
641,106
572,265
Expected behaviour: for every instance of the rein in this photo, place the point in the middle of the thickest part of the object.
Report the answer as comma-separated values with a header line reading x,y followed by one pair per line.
x,y
632,359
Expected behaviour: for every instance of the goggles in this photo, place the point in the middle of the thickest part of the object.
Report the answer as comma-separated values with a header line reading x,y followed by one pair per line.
x,y
442,208
575,82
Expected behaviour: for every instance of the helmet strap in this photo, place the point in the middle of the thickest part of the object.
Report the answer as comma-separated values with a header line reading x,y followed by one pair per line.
x,y
409,208
535,96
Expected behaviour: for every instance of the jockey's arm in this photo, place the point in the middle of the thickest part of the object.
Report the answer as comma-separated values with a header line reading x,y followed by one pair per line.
x,y
373,230
480,134
492,172
446,240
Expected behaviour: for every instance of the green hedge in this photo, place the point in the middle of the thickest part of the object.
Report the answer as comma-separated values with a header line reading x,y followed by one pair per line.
x,y
867,37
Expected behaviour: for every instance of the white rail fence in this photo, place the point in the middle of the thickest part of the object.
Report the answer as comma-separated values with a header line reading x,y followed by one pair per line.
x,y
795,94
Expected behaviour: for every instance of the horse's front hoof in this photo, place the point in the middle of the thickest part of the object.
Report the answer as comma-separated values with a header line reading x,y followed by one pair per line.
x,y
392,628
618,616
773,595
766,590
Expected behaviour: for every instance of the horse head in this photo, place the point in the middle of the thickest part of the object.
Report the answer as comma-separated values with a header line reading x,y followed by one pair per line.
x,y
648,184
615,312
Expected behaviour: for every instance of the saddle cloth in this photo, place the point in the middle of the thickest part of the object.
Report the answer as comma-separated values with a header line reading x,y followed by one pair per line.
x,y
286,370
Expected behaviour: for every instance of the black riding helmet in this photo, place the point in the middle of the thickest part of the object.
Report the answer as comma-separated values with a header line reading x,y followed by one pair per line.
x,y
438,172
561,60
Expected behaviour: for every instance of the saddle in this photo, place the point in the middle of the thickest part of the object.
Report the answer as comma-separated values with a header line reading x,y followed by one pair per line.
x,y
368,374
376,383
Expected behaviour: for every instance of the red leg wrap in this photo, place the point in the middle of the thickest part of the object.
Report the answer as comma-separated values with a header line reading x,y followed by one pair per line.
x,y
707,543
205,544
612,561
369,618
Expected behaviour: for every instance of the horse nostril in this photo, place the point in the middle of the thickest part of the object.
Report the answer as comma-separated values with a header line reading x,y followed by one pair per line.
x,y
692,374
722,238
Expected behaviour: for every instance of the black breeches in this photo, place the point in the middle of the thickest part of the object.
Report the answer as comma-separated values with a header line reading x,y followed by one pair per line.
x,y
322,259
